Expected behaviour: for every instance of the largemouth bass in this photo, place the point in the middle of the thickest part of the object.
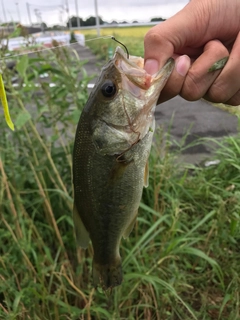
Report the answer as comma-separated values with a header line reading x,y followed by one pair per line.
x,y
112,145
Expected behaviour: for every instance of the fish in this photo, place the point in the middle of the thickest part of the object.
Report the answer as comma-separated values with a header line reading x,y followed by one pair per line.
x,y
110,159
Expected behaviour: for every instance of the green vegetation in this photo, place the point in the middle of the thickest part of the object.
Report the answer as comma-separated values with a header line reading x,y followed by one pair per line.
x,y
132,37
182,259
104,48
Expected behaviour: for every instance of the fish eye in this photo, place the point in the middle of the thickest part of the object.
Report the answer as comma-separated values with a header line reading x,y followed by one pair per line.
x,y
108,89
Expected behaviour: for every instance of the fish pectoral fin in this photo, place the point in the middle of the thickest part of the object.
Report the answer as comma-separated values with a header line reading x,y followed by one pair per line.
x,y
129,229
146,175
81,233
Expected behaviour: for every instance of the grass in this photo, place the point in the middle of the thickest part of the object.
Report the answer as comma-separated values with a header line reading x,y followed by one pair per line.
x,y
180,262
134,31
132,37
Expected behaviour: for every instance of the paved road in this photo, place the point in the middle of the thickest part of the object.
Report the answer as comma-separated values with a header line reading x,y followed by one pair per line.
x,y
199,117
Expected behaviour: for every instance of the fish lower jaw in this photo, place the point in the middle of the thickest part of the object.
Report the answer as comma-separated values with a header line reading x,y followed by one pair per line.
x,y
107,275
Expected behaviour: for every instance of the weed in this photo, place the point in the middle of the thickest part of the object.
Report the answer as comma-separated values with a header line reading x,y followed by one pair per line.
x,y
181,261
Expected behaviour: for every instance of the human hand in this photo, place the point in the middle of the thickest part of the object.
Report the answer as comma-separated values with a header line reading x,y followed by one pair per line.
x,y
202,33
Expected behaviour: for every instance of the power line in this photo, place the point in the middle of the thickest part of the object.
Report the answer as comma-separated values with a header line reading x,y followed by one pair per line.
x,y
43,6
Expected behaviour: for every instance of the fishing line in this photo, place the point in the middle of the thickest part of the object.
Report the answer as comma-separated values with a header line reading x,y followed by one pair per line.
x,y
97,38
3,97
60,46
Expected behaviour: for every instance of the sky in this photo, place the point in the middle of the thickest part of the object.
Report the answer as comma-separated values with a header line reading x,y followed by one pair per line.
x,y
54,11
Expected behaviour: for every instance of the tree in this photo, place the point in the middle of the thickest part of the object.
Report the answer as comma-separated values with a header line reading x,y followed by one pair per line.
x,y
44,25
74,22
91,21
56,27
157,19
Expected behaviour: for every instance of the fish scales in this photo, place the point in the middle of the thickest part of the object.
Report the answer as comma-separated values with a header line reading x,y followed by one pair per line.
x,y
112,145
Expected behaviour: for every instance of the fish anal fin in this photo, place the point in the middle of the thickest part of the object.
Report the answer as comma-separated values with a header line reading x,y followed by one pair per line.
x,y
129,229
82,236
146,175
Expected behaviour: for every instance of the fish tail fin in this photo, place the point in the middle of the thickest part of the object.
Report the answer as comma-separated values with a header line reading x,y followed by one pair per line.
x,y
107,275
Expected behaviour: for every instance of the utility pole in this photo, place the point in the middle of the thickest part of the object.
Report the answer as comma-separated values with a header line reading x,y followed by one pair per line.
x,y
60,17
39,18
19,18
41,22
4,12
78,19
29,14
69,20
97,18
36,14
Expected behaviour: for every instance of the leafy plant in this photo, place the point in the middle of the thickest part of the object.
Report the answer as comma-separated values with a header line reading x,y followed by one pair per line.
x,y
181,261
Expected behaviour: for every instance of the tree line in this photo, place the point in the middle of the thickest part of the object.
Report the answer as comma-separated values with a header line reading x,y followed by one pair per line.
x,y
91,21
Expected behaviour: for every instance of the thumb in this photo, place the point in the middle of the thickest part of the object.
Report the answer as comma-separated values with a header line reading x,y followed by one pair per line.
x,y
157,48
173,36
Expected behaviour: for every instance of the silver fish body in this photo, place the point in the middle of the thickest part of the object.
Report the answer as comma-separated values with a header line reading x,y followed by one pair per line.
x,y
111,149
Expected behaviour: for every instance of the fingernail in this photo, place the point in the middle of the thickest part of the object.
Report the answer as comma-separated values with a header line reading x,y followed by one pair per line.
x,y
182,64
151,66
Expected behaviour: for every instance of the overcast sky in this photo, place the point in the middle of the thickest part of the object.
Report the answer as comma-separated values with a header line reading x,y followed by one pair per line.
x,y
54,11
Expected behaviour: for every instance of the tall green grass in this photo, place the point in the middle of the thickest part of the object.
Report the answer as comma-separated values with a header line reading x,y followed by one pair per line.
x,y
132,37
104,48
180,262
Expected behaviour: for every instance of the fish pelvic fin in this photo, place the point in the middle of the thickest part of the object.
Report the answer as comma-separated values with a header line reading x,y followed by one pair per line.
x,y
82,236
129,228
107,276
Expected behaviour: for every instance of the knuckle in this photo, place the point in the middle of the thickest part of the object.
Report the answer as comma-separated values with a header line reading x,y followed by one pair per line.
x,y
191,89
217,93
152,37
234,101
216,46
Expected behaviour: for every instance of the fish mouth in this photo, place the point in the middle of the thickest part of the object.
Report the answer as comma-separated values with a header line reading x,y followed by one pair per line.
x,y
132,68
141,88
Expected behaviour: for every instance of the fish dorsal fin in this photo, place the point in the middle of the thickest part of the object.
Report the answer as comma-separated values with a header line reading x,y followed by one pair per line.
x,y
146,175
81,233
128,230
